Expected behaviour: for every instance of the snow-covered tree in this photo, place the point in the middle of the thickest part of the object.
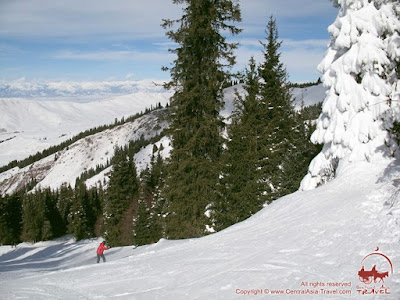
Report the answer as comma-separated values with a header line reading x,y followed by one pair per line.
x,y
393,40
360,74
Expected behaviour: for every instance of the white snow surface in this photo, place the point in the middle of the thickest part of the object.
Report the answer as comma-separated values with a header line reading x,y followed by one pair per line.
x,y
83,155
319,236
30,125
309,95
143,157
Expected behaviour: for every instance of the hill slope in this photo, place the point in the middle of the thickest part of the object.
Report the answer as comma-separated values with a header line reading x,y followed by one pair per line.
x,y
28,126
68,164
317,237
27,122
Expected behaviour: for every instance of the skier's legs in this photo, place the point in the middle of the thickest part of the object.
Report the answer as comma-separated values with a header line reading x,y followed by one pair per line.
x,y
102,256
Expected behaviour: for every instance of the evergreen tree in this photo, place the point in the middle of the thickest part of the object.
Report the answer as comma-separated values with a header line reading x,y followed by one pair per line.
x,y
82,215
10,218
65,199
240,194
41,217
36,227
277,141
148,224
142,226
77,220
122,191
303,151
94,207
268,149
198,75
52,214
99,223
359,70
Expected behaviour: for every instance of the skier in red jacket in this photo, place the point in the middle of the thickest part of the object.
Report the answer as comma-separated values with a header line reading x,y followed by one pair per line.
x,y
100,251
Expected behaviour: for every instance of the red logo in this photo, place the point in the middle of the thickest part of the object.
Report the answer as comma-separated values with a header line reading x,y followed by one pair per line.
x,y
375,268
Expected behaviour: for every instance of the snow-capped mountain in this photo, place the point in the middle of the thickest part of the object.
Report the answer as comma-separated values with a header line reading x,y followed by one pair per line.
x,y
31,125
28,126
307,245
82,91
68,164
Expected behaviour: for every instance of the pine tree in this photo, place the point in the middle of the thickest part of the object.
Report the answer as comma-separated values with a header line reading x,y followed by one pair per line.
x,y
85,208
77,221
148,224
240,194
359,71
198,75
94,207
148,228
10,218
303,151
36,227
66,195
277,140
121,195
268,150
57,225
142,227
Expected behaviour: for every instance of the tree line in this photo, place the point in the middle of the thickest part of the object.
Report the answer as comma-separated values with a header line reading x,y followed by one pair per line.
x,y
119,210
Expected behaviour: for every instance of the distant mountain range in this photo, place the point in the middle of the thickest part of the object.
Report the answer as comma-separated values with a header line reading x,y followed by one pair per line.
x,y
35,89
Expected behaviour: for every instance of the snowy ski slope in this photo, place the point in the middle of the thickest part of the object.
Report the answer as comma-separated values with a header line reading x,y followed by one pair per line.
x,y
318,237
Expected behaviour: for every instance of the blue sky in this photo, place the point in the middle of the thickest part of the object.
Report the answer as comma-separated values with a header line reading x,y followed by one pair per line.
x,y
96,40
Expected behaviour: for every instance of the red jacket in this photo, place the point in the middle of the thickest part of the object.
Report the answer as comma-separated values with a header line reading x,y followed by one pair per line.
x,y
101,248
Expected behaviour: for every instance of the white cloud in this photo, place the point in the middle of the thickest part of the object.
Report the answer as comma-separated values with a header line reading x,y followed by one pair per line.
x,y
104,30
108,55
301,57
6,49
312,43
126,18
256,9
295,16
76,18
302,64
289,43
129,76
